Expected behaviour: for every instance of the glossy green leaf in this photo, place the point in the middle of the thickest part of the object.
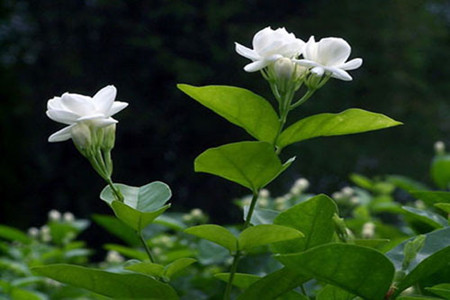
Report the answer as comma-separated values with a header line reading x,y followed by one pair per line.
x,y
313,218
428,260
251,164
347,122
239,106
261,215
216,234
114,285
141,206
431,197
116,227
13,234
444,206
134,218
417,297
345,266
440,171
177,266
266,234
371,243
425,216
147,268
240,280
22,294
274,285
406,183
331,292
442,290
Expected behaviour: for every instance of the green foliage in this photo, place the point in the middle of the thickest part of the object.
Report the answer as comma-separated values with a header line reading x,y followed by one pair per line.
x,y
240,280
345,266
347,122
440,171
266,234
239,106
442,290
331,292
114,285
250,164
13,234
428,260
116,227
434,220
141,206
313,217
216,234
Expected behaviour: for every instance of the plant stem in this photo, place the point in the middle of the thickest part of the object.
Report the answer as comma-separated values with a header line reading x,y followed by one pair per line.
x,y
303,99
116,191
147,249
237,255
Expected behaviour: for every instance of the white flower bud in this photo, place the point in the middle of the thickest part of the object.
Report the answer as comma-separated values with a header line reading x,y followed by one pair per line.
x,y
354,200
54,215
187,218
299,186
81,135
68,217
337,195
264,193
33,232
157,251
284,68
114,257
45,234
368,230
420,204
347,191
109,137
439,147
197,213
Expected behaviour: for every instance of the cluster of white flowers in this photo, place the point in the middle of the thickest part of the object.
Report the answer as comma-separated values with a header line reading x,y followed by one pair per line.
x,y
196,215
346,194
368,230
43,233
327,57
56,216
300,185
114,257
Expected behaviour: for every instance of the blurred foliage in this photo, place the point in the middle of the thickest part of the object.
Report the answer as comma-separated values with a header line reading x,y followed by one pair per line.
x,y
146,47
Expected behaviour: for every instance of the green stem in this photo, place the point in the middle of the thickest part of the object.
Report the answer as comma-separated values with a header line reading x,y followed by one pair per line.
x,y
237,255
147,249
115,190
304,291
303,99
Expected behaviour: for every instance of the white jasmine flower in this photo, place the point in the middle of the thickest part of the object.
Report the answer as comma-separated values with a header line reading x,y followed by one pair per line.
x,y
347,191
264,193
354,200
68,217
263,202
439,147
337,195
33,232
196,213
368,230
329,56
74,109
54,215
268,46
114,257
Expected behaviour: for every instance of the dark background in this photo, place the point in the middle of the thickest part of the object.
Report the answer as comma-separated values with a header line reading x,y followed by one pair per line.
x,y
145,47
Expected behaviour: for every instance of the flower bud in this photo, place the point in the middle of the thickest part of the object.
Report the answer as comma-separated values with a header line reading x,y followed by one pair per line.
x,y
114,257
284,68
81,136
368,230
439,147
68,217
264,193
109,137
33,232
54,215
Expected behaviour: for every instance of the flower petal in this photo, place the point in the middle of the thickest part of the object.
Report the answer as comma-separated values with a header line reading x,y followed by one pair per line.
x,y
318,71
104,98
310,50
104,122
55,103
261,38
116,107
246,52
62,116
256,66
339,74
306,63
352,64
61,135
91,117
333,51
79,104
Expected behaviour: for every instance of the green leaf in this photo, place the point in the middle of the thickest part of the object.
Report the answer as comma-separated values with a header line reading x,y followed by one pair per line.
x,y
417,297
440,171
134,218
108,284
216,234
239,106
274,285
331,292
266,234
428,260
347,122
21,294
240,280
177,266
147,268
442,290
428,217
444,206
406,184
346,266
141,206
431,197
251,164
116,227
261,215
313,217
13,234
372,243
